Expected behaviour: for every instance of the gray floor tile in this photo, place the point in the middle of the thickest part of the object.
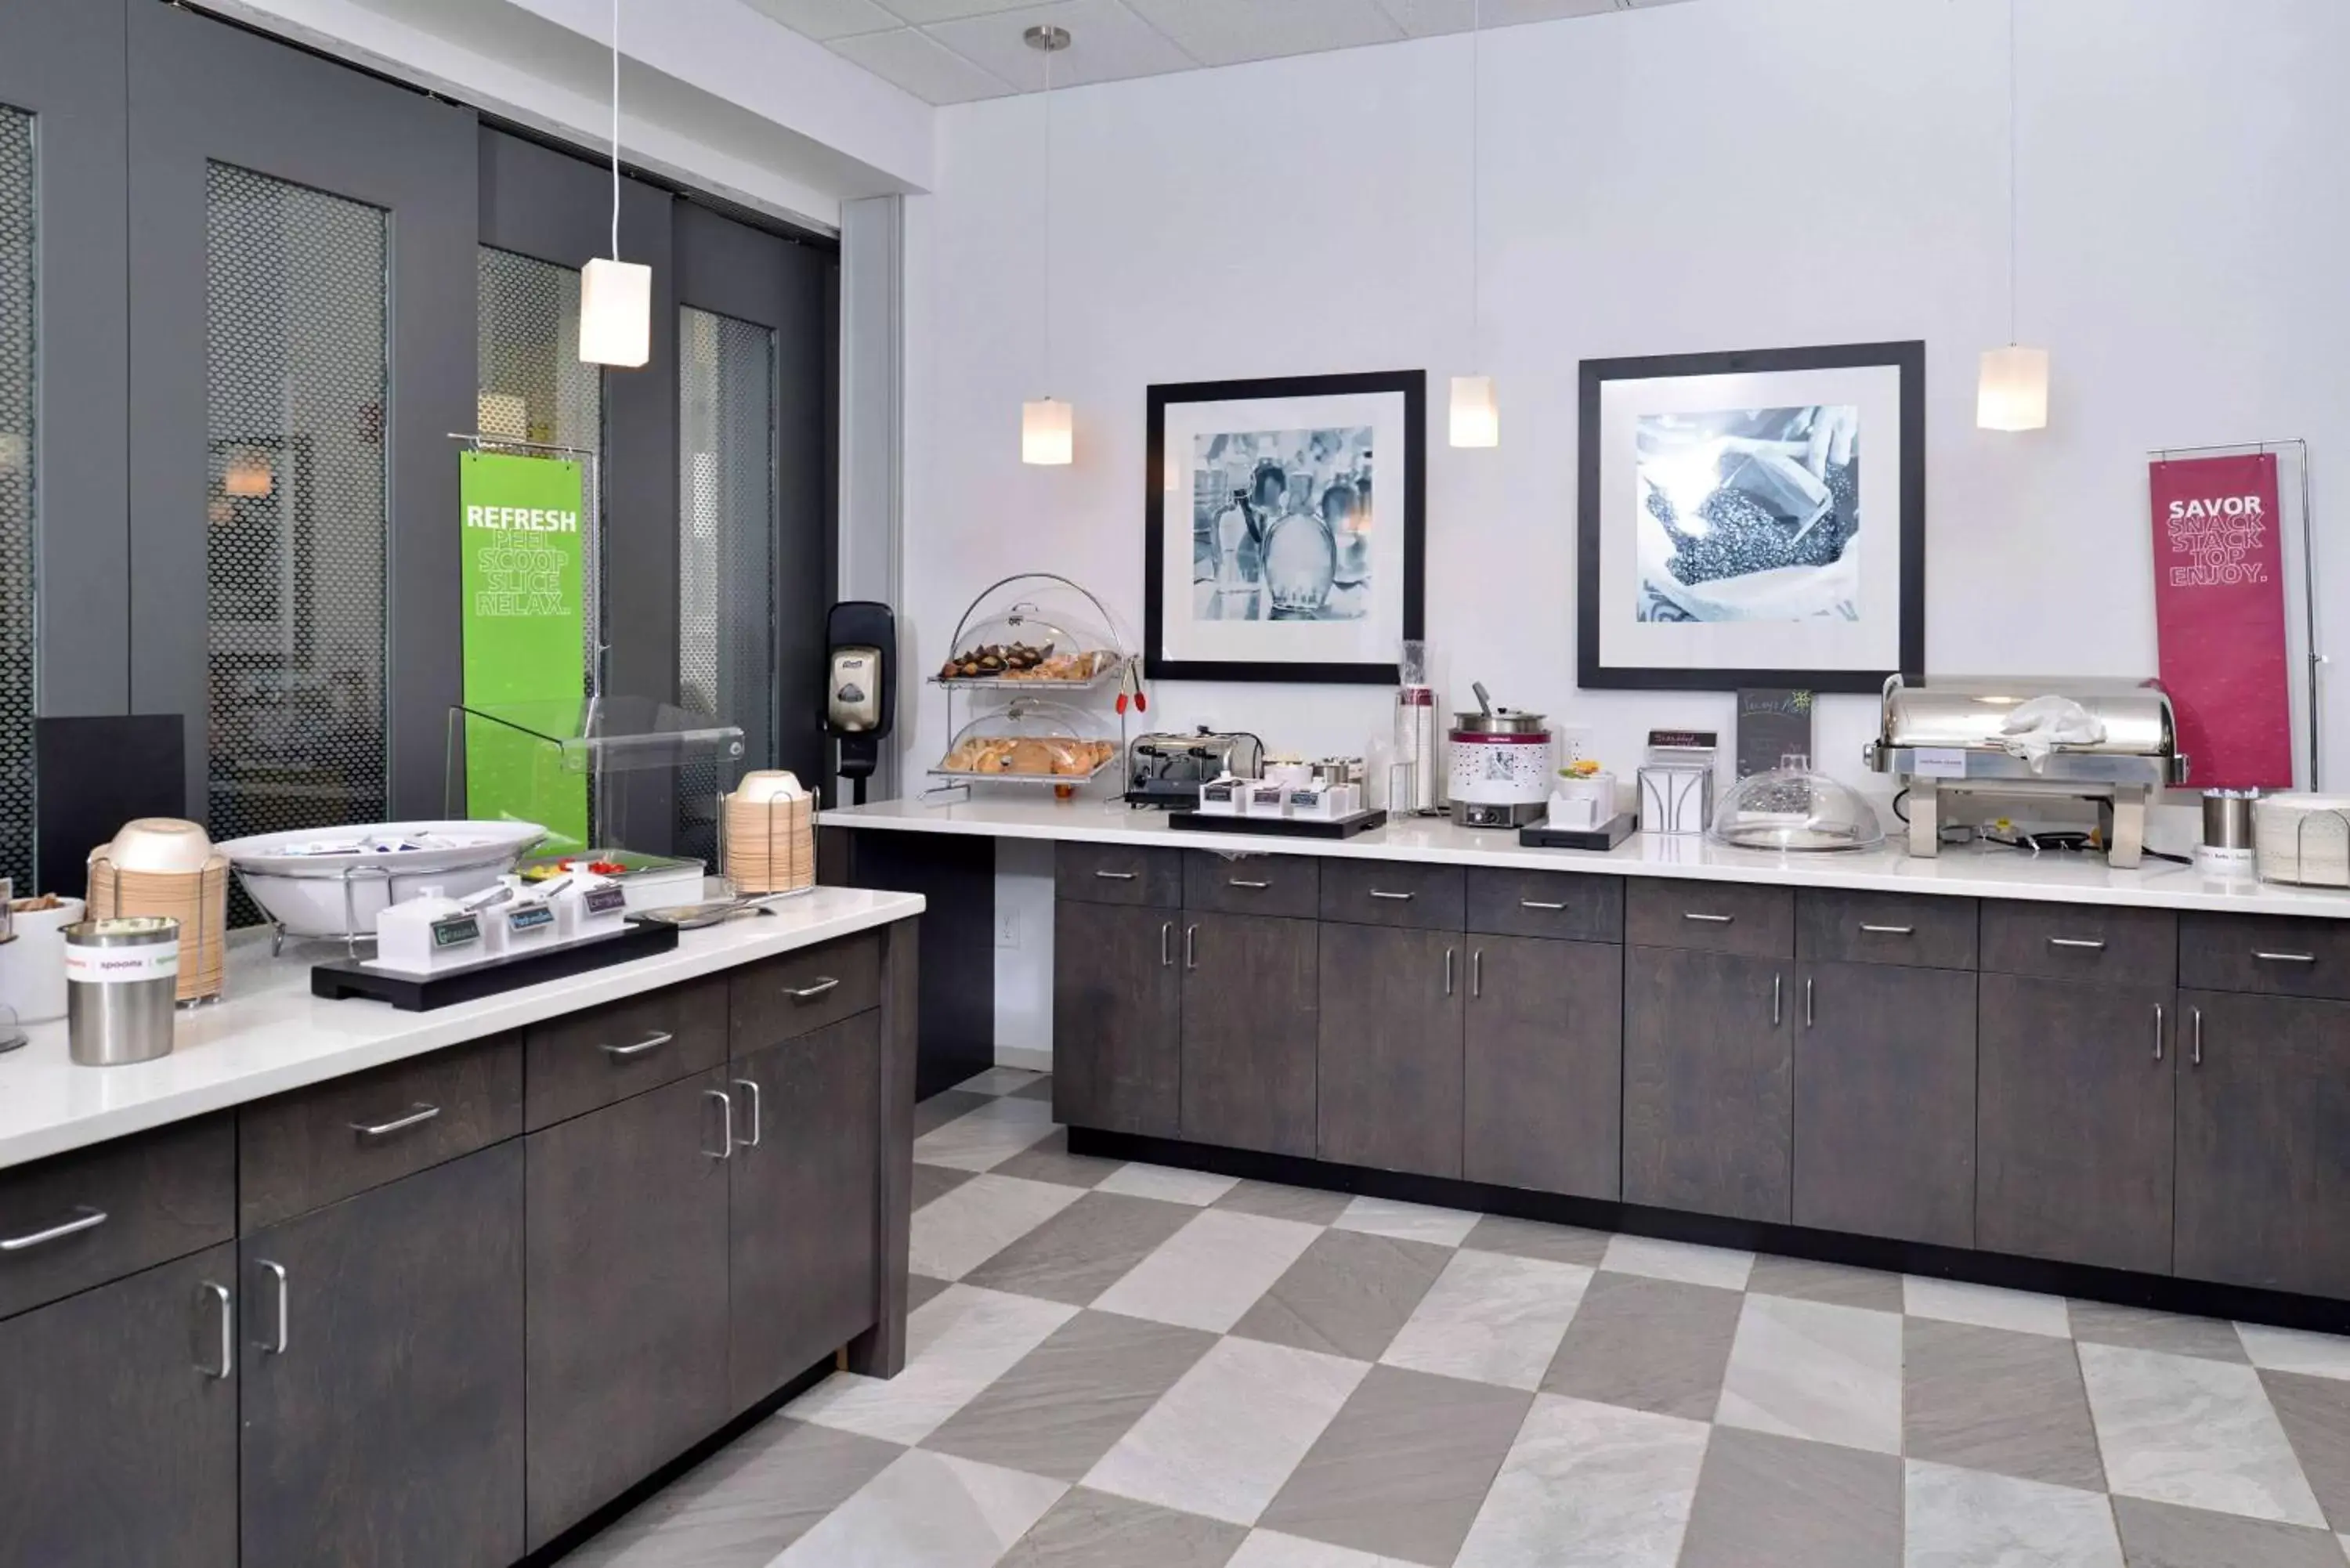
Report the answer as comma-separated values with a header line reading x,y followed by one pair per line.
x,y
1275,1201
920,1288
2316,1414
1347,1293
1765,1502
2140,1328
1991,1399
1084,1250
935,1181
1403,1466
1050,1160
1096,1530
945,1106
1068,1401
1042,1089
1832,1283
927,1511
1532,1238
1650,1344
2158,1535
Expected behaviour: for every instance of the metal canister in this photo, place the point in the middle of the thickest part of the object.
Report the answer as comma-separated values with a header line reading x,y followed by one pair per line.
x,y
122,979
2228,818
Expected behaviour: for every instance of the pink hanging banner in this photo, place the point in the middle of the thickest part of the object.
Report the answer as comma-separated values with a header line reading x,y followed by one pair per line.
x,y
2219,601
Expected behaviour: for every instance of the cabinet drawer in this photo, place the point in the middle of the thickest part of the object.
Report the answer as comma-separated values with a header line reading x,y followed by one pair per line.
x,y
1252,885
1711,916
571,1066
318,1145
1394,893
800,992
1119,874
1922,931
2081,942
2270,954
82,1219
1563,904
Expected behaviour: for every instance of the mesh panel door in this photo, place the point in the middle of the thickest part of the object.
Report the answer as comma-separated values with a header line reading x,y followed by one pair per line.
x,y
296,364
17,496
726,545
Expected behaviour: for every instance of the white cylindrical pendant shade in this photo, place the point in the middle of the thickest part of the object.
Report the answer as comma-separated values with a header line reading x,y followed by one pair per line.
x,y
616,313
1476,418
2014,392
1048,432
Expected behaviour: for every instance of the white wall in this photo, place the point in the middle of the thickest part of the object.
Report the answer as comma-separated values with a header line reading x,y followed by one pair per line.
x,y
1733,173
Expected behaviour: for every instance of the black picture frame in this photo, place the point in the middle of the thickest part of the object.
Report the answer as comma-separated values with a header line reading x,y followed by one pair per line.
x,y
1909,359
1413,387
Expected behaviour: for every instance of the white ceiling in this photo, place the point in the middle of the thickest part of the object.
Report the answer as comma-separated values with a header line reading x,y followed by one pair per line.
x,y
953,51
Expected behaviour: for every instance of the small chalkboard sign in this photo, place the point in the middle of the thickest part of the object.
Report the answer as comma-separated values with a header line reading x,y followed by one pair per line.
x,y
1773,722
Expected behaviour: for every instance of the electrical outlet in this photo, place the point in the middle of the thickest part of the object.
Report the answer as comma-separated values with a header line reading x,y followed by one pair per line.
x,y
1007,928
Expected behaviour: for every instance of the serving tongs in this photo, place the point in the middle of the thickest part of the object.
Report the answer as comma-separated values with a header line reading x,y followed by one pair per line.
x,y
695,917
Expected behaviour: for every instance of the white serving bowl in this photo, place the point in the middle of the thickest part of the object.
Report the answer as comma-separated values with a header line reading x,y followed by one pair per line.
x,y
335,881
160,846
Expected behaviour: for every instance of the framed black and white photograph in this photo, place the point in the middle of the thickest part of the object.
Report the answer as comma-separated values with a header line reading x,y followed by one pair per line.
x,y
1754,519
1283,531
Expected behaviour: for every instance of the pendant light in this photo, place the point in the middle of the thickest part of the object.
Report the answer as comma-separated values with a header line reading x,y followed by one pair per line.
x,y
1047,425
1476,417
2013,393
616,298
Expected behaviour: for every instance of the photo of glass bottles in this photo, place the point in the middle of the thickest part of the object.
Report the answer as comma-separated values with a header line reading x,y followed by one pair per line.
x,y
1281,524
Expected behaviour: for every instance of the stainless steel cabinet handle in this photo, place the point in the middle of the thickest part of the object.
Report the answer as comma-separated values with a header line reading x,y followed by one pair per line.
x,y
2287,958
726,1150
1167,945
1191,946
1807,1001
415,1118
1115,876
1397,898
1889,930
1776,989
1448,971
1707,919
1252,886
2157,1031
1477,973
2198,1015
1538,903
276,1272
649,1043
86,1218
810,992
753,1087
2086,944
219,1292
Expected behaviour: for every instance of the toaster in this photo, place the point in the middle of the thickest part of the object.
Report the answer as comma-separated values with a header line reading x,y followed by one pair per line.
x,y
1167,770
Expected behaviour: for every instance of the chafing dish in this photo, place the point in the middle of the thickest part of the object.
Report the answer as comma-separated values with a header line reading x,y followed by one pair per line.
x,y
1944,738
1168,769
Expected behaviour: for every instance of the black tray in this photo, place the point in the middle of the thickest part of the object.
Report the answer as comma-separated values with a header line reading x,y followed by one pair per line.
x,y
422,992
1278,826
1606,835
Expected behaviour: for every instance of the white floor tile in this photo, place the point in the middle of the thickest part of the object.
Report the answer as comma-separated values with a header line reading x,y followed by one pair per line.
x,y
985,1136
1197,1187
955,1233
927,1511
1222,1440
958,1342
1271,1549
2181,1430
1807,1369
1209,1273
1691,1265
1986,1306
1968,1519
2291,1350
1589,1486
1406,1221
1492,1318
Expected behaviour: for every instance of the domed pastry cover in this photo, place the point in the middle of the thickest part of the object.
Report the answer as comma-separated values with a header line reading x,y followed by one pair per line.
x,y
1031,738
1793,808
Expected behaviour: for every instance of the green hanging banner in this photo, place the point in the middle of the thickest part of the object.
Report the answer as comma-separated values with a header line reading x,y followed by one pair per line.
x,y
525,637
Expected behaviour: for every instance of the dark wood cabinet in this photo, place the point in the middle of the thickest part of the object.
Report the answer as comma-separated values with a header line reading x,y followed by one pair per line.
x,y
2264,1180
382,1346
1543,1064
118,1430
1251,1000
1117,1018
1707,1063
802,1204
1885,1101
626,1323
2073,1125
1388,1079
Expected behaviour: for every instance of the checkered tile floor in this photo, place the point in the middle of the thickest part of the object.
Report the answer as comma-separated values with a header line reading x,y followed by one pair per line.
x,y
1127,1367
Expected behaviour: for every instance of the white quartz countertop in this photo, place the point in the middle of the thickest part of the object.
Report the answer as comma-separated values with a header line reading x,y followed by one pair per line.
x,y
1980,871
268,1035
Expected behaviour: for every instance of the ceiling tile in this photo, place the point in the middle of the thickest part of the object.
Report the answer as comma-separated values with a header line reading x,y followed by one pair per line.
x,y
826,19
1225,32
1425,18
922,11
921,65
1109,42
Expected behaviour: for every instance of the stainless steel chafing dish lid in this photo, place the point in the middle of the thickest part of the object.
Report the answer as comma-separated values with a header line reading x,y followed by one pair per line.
x,y
1967,713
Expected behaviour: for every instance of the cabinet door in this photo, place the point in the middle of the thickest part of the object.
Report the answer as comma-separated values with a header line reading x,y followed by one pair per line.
x,y
385,1427
2263,1189
1389,1065
1706,1070
1117,1011
1885,1101
1249,1001
2072,1135
1543,1075
118,1444
625,1326
804,1204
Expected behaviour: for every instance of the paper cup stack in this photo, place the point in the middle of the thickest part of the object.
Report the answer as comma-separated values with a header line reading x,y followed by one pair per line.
x,y
770,835
161,866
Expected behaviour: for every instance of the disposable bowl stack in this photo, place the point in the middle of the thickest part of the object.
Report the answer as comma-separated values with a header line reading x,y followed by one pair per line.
x,y
160,866
770,835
